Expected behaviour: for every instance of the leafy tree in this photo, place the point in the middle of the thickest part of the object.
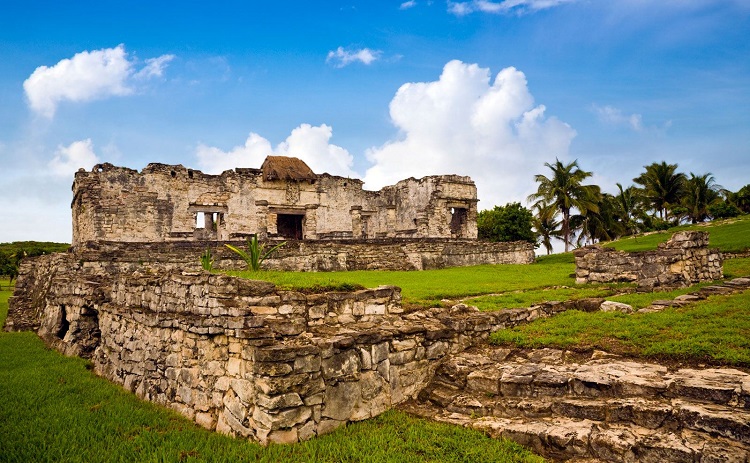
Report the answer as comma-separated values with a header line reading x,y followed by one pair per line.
x,y
564,191
701,192
723,210
511,222
663,186
741,199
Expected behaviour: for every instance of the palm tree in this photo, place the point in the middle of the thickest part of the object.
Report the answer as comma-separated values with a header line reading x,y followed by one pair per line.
x,y
701,191
600,225
663,186
563,191
629,207
546,225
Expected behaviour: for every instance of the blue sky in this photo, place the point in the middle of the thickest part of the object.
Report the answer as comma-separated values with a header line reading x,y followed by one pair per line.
x,y
377,90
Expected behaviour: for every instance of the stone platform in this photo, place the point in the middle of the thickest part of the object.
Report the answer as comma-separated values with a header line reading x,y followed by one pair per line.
x,y
603,408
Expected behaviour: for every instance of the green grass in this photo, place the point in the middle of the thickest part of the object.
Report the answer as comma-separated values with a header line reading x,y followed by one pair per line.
x,y
53,409
729,235
428,287
520,299
734,268
716,330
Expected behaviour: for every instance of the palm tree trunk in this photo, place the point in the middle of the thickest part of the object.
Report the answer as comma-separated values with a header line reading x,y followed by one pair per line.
x,y
566,228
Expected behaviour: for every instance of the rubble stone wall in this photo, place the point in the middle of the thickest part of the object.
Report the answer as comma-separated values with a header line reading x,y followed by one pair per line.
x,y
240,356
311,255
683,260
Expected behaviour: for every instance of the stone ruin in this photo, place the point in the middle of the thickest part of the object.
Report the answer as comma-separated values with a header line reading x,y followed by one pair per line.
x,y
283,199
251,360
243,357
683,260
328,222
240,356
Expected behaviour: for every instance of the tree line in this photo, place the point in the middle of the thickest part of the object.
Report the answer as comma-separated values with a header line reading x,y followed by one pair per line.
x,y
12,253
565,208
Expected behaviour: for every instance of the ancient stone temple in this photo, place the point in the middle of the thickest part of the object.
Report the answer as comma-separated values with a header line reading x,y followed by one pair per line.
x,y
172,214
284,198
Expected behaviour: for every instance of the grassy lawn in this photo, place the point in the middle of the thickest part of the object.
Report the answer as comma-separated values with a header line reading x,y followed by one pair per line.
x,y
729,235
53,409
520,299
428,287
716,330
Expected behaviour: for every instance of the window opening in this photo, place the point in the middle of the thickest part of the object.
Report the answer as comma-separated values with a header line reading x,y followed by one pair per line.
x,y
289,226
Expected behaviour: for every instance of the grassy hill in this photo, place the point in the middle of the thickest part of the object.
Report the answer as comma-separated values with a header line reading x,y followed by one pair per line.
x,y
731,235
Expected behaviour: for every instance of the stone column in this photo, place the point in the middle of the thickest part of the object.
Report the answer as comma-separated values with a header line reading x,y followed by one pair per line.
x,y
422,222
356,213
310,225
391,221
261,211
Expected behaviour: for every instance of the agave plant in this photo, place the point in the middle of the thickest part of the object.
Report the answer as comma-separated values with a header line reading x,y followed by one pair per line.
x,y
207,260
256,252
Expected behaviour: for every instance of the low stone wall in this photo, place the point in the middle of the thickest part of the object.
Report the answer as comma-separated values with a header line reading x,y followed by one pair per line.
x,y
683,260
314,255
239,356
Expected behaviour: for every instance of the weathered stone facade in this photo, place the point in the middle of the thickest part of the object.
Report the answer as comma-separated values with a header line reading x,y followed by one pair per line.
x,y
239,356
174,203
683,260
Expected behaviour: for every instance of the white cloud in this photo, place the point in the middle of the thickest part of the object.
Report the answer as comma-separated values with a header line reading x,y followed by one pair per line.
x,y
87,76
154,67
68,159
309,143
615,116
342,57
407,5
503,6
611,115
464,124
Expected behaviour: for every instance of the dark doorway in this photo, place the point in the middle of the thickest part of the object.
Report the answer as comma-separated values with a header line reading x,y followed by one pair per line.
x,y
289,226
458,221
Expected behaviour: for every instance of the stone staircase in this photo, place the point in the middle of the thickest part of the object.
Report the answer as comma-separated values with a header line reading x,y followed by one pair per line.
x,y
595,408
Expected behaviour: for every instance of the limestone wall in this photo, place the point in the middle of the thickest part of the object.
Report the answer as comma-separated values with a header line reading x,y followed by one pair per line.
x,y
239,356
174,203
683,260
335,255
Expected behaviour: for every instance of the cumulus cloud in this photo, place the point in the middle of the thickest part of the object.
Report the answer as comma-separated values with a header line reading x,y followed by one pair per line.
x,y
466,124
407,5
342,57
307,142
68,159
503,6
87,76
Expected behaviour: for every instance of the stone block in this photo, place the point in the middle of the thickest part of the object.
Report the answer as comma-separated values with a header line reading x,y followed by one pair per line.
x,y
288,400
341,366
380,352
206,420
612,306
342,401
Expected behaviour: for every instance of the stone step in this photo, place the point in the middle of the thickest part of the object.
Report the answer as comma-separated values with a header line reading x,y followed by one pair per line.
x,y
479,374
662,414
562,438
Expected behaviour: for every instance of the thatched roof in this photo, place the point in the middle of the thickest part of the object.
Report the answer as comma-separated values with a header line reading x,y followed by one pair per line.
x,y
286,168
